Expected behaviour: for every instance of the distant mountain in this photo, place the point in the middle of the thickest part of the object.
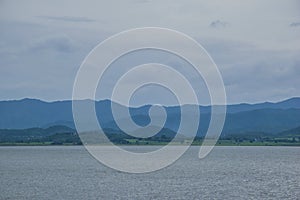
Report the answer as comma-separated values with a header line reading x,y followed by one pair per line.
x,y
32,134
57,135
241,118
291,132
262,120
27,113
286,104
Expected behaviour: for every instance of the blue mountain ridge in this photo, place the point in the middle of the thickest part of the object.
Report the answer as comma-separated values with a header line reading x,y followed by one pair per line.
x,y
241,118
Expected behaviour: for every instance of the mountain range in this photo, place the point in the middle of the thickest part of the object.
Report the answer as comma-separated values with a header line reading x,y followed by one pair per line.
x,y
240,118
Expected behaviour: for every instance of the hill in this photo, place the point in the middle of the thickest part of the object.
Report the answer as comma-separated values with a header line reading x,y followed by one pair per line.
x,y
241,118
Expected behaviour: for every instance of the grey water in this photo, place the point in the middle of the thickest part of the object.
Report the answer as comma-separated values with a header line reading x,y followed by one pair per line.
x,y
69,172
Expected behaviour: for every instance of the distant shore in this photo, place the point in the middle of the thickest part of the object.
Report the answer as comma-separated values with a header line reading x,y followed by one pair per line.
x,y
155,143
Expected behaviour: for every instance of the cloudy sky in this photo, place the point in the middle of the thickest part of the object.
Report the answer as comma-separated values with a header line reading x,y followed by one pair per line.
x,y
255,44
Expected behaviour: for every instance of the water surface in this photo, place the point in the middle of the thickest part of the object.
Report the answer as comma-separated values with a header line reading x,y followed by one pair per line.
x,y
69,172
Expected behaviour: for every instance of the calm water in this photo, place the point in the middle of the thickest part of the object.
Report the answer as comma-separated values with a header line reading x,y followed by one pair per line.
x,y
60,172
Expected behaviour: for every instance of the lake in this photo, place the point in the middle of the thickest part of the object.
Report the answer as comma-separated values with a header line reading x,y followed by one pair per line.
x,y
69,172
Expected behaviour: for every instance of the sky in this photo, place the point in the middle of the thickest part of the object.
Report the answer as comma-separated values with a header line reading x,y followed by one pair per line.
x,y
254,43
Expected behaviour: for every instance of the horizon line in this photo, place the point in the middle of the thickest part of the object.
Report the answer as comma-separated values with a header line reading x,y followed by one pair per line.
x,y
141,105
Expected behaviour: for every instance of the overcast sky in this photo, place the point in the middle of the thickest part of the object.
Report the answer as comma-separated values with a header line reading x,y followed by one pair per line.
x,y
255,44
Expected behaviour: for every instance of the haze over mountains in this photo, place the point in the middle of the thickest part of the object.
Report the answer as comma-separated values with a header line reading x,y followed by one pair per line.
x,y
241,118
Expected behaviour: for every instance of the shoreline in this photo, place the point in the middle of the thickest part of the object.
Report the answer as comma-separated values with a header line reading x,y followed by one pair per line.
x,y
157,144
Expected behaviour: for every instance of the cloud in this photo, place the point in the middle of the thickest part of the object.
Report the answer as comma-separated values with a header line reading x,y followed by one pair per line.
x,y
60,43
67,18
295,24
218,24
43,43
142,1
